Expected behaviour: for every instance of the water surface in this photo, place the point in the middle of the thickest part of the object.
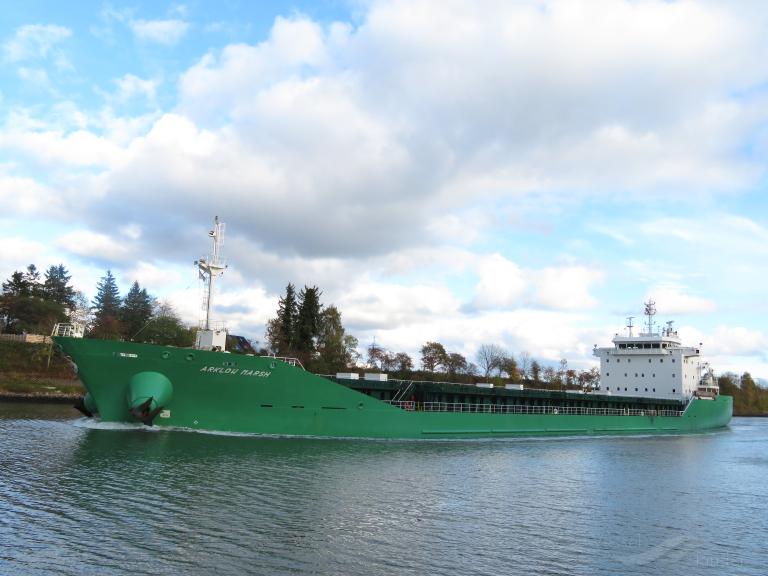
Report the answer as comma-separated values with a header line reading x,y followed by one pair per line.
x,y
78,500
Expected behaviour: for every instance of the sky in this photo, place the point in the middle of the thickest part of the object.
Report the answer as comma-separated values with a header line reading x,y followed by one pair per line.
x,y
521,173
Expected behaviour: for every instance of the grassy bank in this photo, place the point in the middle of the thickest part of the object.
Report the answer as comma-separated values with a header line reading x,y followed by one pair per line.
x,y
25,372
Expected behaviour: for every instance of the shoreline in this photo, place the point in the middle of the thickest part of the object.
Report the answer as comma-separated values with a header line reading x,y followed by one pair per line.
x,y
38,397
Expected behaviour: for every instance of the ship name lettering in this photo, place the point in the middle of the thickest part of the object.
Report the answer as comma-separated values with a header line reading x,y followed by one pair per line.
x,y
234,371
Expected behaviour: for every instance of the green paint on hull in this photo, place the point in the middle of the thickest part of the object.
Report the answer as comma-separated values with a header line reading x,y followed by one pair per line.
x,y
233,393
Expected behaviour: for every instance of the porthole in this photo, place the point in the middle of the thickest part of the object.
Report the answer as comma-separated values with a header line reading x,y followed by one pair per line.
x,y
190,356
273,365
165,355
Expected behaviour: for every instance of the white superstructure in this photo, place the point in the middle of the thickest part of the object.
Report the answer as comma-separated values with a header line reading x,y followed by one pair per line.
x,y
654,365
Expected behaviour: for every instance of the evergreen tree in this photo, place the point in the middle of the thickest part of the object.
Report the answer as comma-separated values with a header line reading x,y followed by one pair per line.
x,y
283,333
32,279
56,287
136,311
308,322
106,308
22,308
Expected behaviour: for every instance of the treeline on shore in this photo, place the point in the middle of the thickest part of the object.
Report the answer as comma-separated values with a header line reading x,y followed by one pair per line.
x,y
34,303
749,399
306,329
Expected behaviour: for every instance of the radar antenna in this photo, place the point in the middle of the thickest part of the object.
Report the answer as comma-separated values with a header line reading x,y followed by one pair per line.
x,y
211,266
630,325
650,311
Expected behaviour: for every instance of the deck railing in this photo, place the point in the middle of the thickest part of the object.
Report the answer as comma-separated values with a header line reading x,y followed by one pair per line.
x,y
517,409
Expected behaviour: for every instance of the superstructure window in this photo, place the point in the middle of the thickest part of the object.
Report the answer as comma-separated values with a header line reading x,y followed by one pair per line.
x,y
635,389
673,390
673,359
607,373
607,359
642,375
654,389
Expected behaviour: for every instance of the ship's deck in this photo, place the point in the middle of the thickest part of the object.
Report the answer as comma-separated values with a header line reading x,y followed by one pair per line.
x,y
452,397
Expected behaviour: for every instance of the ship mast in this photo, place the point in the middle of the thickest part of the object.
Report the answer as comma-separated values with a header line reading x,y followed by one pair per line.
x,y
210,267
650,311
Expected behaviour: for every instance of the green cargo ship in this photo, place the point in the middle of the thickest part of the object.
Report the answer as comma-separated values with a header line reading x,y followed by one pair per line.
x,y
666,390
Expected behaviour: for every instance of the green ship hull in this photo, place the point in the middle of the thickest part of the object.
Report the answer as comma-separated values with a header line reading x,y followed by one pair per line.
x,y
202,390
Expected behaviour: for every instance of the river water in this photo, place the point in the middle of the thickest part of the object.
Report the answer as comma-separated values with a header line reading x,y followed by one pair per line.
x,y
78,499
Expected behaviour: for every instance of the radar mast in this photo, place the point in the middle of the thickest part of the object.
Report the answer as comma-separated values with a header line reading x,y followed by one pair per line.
x,y
650,311
209,268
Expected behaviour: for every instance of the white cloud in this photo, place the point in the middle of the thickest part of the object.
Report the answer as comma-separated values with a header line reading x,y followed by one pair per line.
x,y
672,299
566,287
34,41
21,196
147,274
130,86
92,245
502,283
167,32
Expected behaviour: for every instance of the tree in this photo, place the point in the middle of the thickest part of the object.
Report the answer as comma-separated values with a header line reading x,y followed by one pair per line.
x,y
488,358
282,334
56,287
524,365
403,364
136,311
80,313
433,354
167,329
536,372
508,365
375,354
23,308
308,322
455,363
106,308
333,344
32,279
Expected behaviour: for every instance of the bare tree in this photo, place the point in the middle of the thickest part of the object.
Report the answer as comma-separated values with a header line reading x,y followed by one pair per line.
x,y
524,364
488,357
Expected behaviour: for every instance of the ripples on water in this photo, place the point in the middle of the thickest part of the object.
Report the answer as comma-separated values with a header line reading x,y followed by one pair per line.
x,y
78,500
